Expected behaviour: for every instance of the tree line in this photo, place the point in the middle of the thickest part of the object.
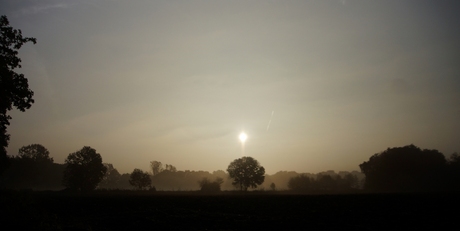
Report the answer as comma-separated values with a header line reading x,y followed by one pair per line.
x,y
398,169
84,170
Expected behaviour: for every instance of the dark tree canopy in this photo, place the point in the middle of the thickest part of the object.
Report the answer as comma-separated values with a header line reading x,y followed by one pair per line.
x,y
35,152
14,87
246,172
210,186
407,168
33,168
140,179
26,173
84,170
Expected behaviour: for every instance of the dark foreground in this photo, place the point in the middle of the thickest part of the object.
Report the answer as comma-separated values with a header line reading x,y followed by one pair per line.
x,y
193,211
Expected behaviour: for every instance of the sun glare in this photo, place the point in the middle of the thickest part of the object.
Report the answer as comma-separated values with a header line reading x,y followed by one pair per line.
x,y
243,137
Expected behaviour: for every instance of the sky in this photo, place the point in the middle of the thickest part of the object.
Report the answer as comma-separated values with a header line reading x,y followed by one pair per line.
x,y
316,85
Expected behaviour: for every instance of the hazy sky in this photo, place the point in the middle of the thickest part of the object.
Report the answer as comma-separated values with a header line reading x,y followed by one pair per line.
x,y
177,81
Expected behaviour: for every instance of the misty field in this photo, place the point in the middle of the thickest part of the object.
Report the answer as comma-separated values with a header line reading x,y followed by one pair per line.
x,y
226,211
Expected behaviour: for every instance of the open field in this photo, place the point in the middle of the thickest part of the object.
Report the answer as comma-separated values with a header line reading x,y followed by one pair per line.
x,y
227,211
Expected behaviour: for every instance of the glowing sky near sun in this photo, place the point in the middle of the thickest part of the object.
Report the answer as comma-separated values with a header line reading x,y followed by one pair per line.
x,y
317,85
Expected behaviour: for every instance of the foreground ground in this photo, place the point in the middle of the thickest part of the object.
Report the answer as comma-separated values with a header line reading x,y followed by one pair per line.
x,y
227,211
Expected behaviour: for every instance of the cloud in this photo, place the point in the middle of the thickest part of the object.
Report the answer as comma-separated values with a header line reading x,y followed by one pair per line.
x,y
43,8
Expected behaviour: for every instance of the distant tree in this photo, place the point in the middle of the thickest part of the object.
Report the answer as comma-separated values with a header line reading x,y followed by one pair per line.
x,y
207,186
324,182
280,179
301,183
14,87
111,177
140,179
84,170
156,167
273,186
454,159
170,168
123,183
349,181
405,168
246,172
35,152
327,182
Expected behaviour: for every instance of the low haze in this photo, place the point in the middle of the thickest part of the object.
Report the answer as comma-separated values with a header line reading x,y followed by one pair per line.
x,y
315,85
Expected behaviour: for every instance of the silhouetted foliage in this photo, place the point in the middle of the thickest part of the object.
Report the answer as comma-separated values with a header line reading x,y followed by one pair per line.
x,y
349,181
246,172
26,173
280,179
140,179
156,167
301,183
84,170
453,172
14,87
33,168
326,182
111,178
210,186
35,152
123,183
405,168
170,168
273,186
186,180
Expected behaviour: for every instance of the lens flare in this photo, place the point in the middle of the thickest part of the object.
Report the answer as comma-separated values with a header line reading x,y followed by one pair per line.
x,y
243,137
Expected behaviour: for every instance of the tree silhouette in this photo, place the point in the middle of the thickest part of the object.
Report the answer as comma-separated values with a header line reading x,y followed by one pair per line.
x,y
111,177
405,168
273,186
33,168
156,167
140,179
207,186
453,172
14,87
84,170
170,168
301,183
246,172
35,152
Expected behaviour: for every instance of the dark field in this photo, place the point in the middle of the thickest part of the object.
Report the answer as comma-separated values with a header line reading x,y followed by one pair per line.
x,y
227,211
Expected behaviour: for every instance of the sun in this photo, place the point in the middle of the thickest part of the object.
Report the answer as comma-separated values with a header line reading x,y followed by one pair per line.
x,y
243,137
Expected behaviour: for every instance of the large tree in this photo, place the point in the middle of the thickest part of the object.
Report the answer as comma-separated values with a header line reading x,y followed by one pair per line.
x,y
84,170
140,179
246,172
14,87
407,168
